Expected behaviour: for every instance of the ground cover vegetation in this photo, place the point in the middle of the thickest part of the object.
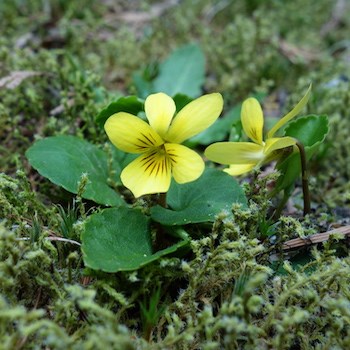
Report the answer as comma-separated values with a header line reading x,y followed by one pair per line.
x,y
219,261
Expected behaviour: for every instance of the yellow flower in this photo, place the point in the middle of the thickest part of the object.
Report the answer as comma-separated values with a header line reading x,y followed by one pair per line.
x,y
245,156
159,142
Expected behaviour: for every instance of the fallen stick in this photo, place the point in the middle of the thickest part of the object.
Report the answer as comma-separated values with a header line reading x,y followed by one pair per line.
x,y
316,238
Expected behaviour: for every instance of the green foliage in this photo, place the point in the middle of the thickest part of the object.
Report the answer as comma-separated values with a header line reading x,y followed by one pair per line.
x,y
181,73
181,101
311,131
66,159
57,64
260,310
231,296
119,239
331,161
129,104
151,312
231,121
67,220
199,201
18,203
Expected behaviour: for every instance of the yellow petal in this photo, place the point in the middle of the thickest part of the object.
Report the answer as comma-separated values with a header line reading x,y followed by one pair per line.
x,y
301,104
149,173
276,143
160,109
131,134
252,120
235,153
187,165
195,117
239,169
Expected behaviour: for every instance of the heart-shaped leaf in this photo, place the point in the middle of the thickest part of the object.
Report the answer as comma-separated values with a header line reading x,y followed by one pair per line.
x,y
311,132
201,200
129,104
119,239
63,160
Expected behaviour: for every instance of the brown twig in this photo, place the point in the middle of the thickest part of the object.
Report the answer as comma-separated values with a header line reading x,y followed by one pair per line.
x,y
316,238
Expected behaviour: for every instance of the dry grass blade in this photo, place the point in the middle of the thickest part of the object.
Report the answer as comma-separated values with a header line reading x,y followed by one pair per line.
x,y
155,11
295,53
16,78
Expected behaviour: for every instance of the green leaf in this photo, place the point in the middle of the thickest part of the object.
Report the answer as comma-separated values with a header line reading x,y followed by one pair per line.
x,y
220,129
63,160
201,200
311,131
143,79
129,104
119,239
181,101
182,72
120,160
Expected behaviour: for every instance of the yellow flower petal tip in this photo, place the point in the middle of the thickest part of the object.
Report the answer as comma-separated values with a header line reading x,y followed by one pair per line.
x,y
252,120
195,117
160,109
159,141
290,115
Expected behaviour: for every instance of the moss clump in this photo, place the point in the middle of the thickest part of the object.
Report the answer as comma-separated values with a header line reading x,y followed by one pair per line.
x,y
229,296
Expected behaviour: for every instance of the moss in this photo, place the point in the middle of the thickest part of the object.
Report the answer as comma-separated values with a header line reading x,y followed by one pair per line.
x,y
226,292
229,296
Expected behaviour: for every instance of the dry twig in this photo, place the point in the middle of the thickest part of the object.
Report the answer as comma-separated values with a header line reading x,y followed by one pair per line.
x,y
316,238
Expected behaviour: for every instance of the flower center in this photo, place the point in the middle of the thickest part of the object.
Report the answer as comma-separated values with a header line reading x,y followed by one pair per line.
x,y
161,151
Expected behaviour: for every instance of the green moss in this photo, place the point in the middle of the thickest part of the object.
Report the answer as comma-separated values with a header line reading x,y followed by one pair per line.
x,y
225,293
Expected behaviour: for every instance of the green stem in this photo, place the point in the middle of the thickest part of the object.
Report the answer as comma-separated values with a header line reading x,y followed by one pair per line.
x,y
304,177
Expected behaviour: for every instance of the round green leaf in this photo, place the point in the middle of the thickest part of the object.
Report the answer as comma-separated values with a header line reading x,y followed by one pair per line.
x,y
63,160
201,200
119,239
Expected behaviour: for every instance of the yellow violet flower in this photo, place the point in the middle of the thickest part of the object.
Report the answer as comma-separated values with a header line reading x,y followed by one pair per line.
x,y
159,141
245,156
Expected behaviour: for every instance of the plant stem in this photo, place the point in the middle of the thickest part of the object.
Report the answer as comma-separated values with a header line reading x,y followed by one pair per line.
x,y
304,177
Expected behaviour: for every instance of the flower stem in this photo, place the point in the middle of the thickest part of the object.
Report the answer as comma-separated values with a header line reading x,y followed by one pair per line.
x,y
304,177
